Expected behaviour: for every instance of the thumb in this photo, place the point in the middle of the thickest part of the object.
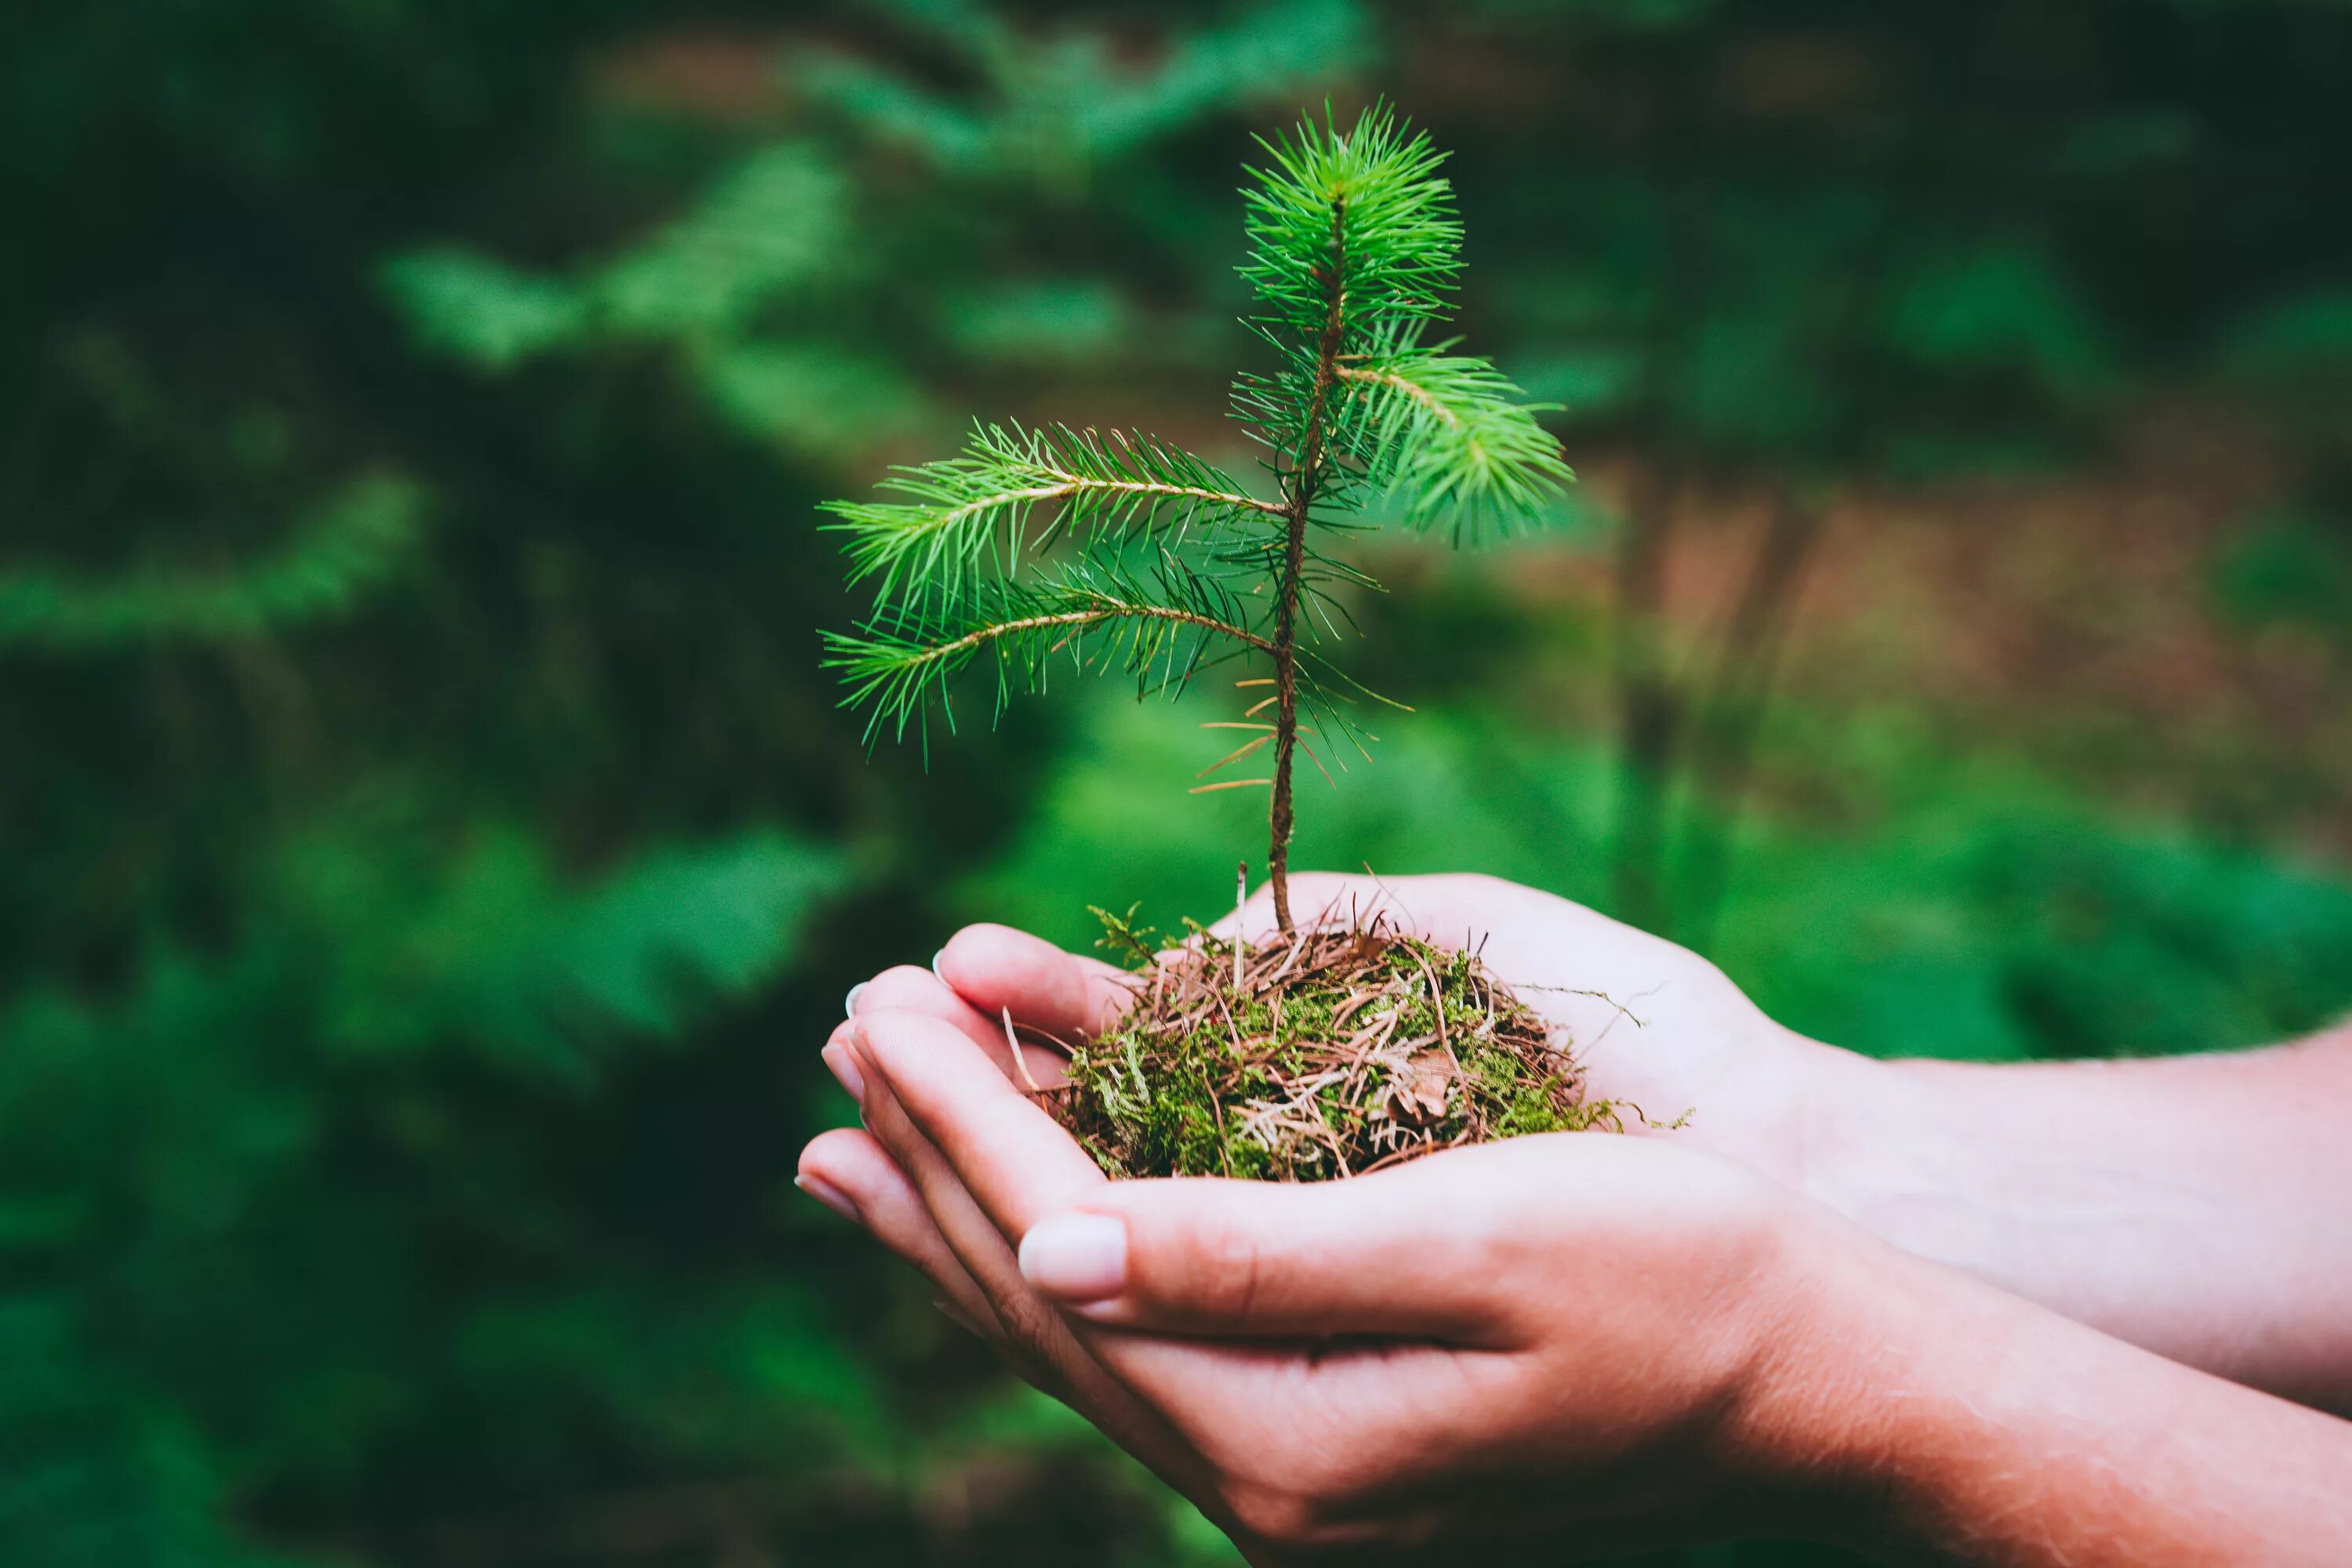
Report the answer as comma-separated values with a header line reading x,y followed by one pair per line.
x,y
1385,1254
1063,995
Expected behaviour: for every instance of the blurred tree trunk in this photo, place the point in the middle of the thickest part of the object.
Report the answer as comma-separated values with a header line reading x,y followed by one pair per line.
x,y
1649,715
1729,714
1648,707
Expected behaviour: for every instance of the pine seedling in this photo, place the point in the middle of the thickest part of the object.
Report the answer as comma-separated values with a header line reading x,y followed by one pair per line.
x,y
1125,552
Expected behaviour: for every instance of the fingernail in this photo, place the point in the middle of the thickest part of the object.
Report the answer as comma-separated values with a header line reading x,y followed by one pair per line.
x,y
955,1314
1076,1256
935,968
831,1196
849,1002
838,1057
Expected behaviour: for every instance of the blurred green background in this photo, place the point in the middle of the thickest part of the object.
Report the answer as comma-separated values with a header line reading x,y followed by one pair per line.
x,y
433,857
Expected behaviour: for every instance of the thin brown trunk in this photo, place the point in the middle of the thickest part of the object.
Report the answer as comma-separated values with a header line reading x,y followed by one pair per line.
x,y
1285,718
1294,563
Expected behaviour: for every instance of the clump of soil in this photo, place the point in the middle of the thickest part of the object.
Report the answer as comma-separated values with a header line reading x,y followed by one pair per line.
x,y
1324,1052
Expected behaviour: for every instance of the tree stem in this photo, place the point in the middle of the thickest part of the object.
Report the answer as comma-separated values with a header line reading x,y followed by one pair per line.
x,y
1301,499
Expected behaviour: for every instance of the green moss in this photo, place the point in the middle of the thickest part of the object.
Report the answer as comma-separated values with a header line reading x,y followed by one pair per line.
x,y
1314,1054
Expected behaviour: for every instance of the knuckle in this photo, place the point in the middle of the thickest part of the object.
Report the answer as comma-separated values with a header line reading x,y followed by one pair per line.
x,y
1499,1237
1224,1267
899,985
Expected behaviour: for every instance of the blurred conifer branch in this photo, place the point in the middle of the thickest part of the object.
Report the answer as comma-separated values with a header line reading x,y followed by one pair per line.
x,y
353,544
774,286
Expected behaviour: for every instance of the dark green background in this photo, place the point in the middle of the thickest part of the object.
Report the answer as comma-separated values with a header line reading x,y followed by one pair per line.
x,y
433,858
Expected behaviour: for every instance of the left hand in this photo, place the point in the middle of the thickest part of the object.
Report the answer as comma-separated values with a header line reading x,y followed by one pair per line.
x,y
1649,1023
1582,1341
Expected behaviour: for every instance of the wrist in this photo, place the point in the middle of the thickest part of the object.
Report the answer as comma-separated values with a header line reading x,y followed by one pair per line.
x,y
1827,1336
1863,1420
1871,1147
1914,1412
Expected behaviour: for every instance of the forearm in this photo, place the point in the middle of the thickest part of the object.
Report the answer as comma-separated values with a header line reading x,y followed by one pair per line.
x,y
1940,1420
2189,1205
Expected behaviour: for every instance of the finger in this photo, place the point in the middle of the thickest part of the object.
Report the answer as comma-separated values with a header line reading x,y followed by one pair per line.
x,y
997,969
970,1233
1017,1164
1036,1337
1341,1418
846,1166
906,989
1026,1328
1422,1251
1012,1158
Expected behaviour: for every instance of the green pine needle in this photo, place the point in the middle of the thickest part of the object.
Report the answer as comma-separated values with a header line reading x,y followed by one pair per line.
x,y
1013,491
1126,553
1368,202
1159,621
1448,440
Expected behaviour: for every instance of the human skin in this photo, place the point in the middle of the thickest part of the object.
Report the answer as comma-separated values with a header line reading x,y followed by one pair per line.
x,y
1690,1347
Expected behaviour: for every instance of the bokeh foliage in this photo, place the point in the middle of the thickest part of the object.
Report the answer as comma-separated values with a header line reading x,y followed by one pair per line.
x,y
433,854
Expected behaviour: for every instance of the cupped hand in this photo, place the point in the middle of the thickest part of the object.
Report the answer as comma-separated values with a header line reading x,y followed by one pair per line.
x,y
1578,1341
1651,1023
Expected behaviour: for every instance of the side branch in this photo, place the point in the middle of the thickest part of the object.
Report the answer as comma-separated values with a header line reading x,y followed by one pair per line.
x,y
1222,497
1068,485
1412,389
1078,619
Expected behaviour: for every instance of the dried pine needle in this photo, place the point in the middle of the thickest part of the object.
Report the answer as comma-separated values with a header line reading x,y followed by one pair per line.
x,y
1321,1053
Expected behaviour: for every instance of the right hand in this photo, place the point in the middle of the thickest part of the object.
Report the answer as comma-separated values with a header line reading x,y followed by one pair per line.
x,y
1435,1364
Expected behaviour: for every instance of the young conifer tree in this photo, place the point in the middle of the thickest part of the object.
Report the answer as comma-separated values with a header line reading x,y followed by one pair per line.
x,y
1165,564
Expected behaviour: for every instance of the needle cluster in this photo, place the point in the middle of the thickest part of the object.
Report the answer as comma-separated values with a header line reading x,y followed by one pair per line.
x,y
1122,551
